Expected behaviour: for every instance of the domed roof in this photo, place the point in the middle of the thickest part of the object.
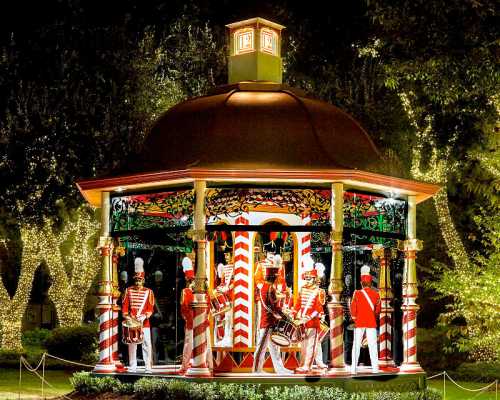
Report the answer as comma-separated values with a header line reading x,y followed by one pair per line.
x,y
255,125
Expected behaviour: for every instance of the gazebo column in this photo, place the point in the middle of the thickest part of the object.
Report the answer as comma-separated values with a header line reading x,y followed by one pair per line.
x,y
384,255
410,291
118,251
199,366
106,293
335,308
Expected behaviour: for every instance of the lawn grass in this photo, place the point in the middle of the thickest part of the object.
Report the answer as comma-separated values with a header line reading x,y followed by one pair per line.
x,y
455,393
31,384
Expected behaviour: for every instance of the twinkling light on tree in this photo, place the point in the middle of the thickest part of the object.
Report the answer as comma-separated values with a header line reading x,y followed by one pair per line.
x,y
12,309
72,274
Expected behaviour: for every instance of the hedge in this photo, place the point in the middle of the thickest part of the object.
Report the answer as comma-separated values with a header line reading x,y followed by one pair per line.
x,y
159,389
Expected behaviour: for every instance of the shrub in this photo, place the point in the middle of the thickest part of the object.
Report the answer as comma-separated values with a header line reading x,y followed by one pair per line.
x,y
159,389
10,358
152,389
73,343
86,384
234,391
480,371
435,350
205,391
35,337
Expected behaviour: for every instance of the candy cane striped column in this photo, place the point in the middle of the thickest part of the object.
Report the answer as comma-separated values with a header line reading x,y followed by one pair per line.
x,y
385,336
336,313
409,307
242,287
199,366
106,362
305,247
384,255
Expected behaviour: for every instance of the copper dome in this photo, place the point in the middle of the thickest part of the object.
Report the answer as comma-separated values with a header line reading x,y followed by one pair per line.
x,y
253,125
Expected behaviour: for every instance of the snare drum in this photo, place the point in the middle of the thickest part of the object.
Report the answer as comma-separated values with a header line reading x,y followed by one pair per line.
x,y
219,303
286,332
132,332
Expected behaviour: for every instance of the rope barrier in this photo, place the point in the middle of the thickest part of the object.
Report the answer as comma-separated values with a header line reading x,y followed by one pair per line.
x,y
478,391
41,363
34,370
68,361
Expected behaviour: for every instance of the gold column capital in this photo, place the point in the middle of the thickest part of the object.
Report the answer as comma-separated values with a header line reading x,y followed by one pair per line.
x,y
410,245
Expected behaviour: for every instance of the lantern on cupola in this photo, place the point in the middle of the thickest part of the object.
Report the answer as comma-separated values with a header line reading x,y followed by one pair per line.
x,y
255,53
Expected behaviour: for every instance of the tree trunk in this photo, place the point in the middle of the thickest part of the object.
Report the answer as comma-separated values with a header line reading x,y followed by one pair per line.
x,y
451,237
11,333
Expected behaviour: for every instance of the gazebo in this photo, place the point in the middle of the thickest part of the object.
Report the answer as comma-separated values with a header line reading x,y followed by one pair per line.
x,y
253,167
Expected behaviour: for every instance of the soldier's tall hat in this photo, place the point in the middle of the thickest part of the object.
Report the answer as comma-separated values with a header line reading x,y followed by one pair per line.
x,y
365,274
139,268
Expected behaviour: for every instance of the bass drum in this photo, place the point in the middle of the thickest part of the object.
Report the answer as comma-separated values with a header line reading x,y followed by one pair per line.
x,y
132,332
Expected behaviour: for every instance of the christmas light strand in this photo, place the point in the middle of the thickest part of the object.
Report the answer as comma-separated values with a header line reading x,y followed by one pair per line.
x,y
68,290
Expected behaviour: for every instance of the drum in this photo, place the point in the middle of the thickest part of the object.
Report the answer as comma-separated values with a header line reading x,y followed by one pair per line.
x,y
219,303
286,332
132,332
323,331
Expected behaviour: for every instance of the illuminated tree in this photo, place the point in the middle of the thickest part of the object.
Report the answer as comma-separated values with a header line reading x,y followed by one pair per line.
x,y
12,308
72,271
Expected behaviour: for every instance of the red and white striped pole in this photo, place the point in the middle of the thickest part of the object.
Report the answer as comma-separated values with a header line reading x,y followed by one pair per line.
x,y
106,363
117,252
305,246
335,307
386,296
242,286
200,365
410,292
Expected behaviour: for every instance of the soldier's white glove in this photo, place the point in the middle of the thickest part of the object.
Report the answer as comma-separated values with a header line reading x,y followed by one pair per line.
x,y
141,318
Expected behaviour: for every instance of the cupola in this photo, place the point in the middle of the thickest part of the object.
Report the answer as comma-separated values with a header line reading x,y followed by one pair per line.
x,y
255,51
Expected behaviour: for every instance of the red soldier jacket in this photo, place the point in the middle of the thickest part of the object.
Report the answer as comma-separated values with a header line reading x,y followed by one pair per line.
x,y
268,305
136,298
309,305
187,298
362,313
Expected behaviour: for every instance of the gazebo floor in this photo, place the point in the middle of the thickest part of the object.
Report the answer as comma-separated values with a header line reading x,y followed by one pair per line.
x,y
364,380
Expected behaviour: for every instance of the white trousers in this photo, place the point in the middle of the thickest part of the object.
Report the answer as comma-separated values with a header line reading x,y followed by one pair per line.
x,y
187,351
146,351
227,340
263,344
371,336
308,349
318,358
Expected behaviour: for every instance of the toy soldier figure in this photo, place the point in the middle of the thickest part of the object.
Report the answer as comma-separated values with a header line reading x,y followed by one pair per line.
x,y
137,306
187,298
224,292
308,309
269,314
318,356
365,309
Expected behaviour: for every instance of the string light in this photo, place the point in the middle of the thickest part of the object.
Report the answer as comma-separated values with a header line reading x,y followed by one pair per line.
x,y
68,290
472,282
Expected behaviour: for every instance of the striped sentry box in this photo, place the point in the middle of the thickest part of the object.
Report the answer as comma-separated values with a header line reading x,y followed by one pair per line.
x,y
242,286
